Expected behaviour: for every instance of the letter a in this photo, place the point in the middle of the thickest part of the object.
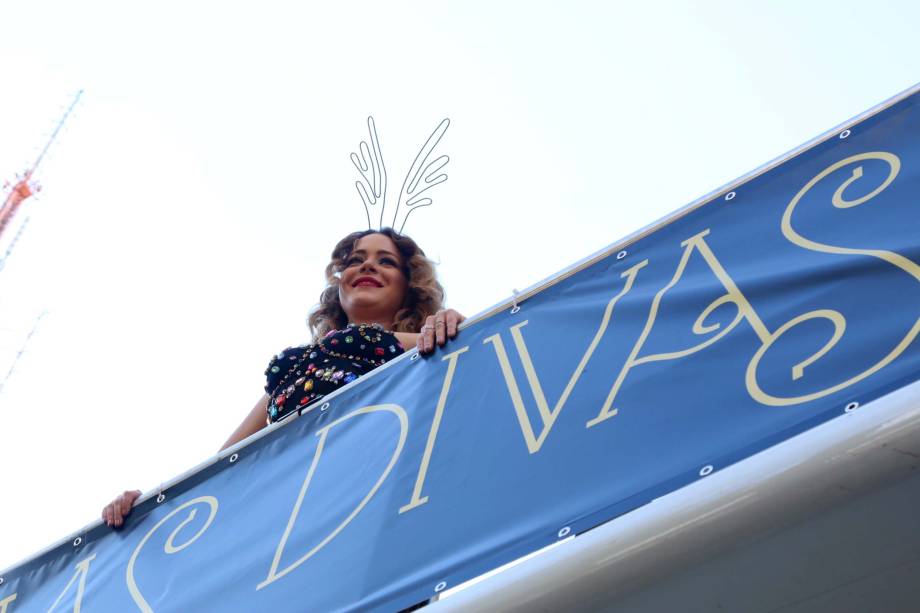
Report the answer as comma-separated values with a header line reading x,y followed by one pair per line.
x,y
6,601
82,569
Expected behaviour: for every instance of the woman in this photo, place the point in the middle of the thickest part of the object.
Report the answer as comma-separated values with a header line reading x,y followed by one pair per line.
x,y
377,281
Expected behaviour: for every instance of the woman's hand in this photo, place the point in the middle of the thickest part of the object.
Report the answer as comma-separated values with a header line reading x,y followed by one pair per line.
x,y
437,329
115,512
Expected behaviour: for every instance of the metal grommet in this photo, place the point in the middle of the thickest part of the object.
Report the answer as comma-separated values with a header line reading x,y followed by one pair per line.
x,y
414,357
325,407
706,470
730,196
851,407
440,587
515,309
621,255
844,134
564,532
161,497
234,458
77,541
1,580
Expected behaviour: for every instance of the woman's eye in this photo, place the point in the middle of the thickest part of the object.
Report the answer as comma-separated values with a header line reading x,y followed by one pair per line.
x,y
352,261
388,261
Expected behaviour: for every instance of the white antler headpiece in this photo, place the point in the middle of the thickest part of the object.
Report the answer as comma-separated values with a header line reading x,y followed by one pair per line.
x,y
422,176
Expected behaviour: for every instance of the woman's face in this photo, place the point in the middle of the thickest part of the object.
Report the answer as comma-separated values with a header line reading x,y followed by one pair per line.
x,y
373,287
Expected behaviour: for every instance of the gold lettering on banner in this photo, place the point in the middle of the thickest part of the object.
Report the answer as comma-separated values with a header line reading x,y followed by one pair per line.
x,y
82,569
895,259
733,295
6,601
417,498
273,573
170,546
746,311
547,416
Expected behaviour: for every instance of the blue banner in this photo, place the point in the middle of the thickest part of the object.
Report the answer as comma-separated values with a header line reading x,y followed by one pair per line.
x,y
740,322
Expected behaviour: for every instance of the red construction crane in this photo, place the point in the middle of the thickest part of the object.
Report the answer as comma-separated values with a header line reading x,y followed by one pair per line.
x,y
24,187
19,192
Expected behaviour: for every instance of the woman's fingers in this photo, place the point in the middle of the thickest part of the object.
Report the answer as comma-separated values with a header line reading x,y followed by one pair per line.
x,y
438,329
446,324
127,501
429,333
114,513
120,505
453,321
108,513
427,336
117,515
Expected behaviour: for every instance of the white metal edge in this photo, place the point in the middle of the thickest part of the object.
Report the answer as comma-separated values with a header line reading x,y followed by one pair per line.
x,y
774,487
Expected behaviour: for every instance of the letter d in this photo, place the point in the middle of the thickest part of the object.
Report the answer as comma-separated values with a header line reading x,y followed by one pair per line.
x,y
273,573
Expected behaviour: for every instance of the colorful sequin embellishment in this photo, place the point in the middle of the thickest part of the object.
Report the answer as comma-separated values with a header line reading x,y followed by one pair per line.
x,y
293,380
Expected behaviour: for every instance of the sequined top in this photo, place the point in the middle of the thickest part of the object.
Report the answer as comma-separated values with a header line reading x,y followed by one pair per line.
x,y
301,375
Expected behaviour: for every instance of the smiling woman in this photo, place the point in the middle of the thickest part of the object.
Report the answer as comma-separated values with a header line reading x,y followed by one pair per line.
x,y
387,252
382,297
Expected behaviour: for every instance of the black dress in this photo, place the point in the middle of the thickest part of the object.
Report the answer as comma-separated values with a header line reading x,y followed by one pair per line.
x,y
299,376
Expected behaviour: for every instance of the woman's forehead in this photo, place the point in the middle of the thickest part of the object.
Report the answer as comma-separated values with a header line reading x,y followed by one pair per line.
x,y
373,243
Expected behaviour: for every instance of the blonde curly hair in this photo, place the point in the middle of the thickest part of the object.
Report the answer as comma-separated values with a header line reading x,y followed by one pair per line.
x,y
424,295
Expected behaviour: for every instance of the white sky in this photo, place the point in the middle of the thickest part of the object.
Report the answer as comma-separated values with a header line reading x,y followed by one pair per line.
x,y
190,205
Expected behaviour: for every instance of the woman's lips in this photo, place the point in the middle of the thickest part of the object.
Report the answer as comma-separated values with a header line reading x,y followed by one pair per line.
x,y
366,282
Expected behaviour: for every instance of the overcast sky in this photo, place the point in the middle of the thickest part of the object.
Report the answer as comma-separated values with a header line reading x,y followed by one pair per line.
x,y
191,203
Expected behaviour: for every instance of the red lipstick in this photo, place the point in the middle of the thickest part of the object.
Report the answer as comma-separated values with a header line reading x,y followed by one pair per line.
x,y
367,281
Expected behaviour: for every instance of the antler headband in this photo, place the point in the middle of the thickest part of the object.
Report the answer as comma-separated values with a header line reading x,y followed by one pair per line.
x,y
422,176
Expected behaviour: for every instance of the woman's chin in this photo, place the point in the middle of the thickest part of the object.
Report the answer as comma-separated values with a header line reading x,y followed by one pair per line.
x,y
370,312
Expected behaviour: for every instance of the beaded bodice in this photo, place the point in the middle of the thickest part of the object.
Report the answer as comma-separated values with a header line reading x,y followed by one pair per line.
x,y
301,375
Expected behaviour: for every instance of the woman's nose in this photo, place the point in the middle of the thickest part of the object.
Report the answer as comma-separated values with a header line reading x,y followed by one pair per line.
x,y
367,265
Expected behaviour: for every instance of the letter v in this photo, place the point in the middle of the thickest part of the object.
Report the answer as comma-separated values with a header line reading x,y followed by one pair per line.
x,y
535,442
